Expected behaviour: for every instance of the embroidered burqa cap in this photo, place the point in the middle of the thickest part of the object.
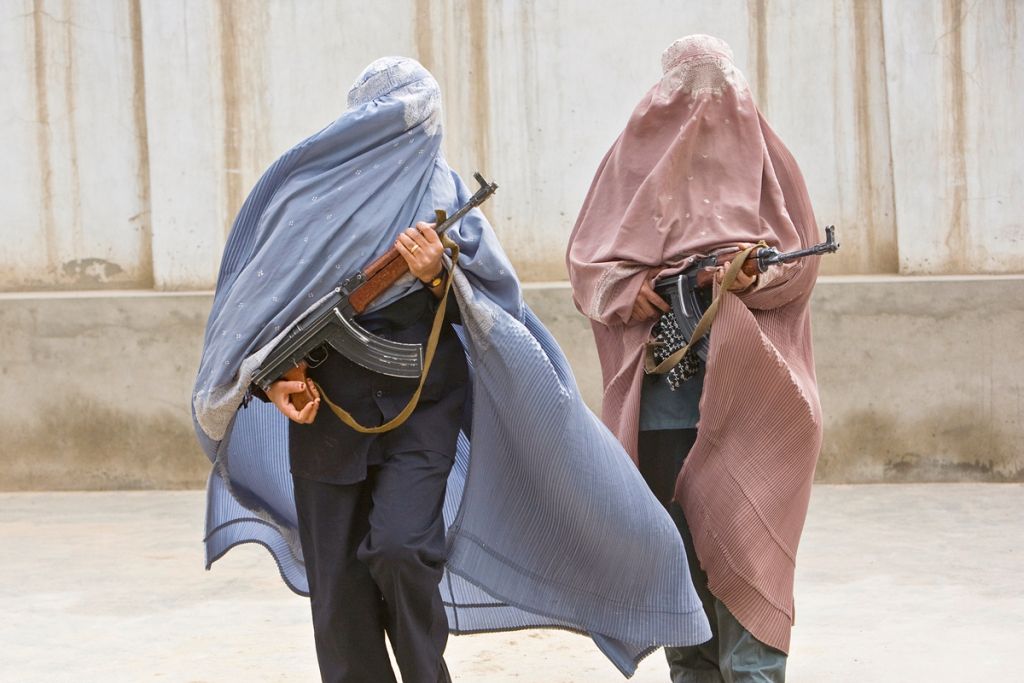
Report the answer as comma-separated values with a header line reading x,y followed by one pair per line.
x,y
548,522
698,168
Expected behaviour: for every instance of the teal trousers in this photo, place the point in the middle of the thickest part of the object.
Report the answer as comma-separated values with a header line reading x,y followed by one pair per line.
x,y
733,655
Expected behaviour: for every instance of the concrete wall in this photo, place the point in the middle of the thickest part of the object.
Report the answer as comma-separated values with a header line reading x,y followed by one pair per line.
x,y
920,381
133,130
921,378
955,73
96,390
74,168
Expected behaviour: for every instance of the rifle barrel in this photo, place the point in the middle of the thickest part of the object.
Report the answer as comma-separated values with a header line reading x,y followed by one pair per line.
x,y
829,246
478,198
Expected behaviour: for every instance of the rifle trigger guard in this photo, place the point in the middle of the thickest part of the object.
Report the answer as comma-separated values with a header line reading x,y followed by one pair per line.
x,y
313,361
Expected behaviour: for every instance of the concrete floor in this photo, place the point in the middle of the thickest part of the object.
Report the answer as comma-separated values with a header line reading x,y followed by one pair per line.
x,y
895,583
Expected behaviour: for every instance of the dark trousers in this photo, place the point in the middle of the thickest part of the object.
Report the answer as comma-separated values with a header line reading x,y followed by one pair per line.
x,y
374,554
733,655
370,506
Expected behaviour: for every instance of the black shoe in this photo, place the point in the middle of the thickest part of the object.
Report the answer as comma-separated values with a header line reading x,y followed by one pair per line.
x,y
442,675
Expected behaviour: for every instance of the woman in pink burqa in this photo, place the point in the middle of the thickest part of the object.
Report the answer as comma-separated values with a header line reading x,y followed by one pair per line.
x,y
732,448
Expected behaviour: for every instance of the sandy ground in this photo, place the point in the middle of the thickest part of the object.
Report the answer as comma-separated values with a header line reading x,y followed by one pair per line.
x,y
894,583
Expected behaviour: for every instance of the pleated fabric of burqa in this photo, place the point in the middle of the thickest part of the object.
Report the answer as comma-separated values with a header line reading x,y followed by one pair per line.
x,y
698,168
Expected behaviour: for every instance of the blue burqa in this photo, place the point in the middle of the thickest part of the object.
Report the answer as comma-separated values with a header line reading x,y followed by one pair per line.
x,y
549,524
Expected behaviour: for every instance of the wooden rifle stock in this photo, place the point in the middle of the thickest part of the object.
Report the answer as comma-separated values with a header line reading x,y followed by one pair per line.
x,y
380,275
389,268
706,278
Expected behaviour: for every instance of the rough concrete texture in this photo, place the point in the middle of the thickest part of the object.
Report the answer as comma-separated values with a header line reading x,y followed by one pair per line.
x,y
97,391
134,129
921,380
907,583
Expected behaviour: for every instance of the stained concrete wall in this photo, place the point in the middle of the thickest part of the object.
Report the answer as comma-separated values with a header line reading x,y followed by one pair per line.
x,y
955,73
232,85
96,387
133,130
74,168
920,381
921,378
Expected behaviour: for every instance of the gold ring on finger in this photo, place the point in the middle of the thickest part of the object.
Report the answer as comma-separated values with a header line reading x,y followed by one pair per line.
x,y
413,248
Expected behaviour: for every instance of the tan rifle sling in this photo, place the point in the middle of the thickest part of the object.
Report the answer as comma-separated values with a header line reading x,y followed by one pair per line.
x,y
705,320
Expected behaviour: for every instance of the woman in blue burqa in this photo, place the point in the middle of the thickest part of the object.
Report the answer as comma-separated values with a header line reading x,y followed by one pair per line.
x,y
501,503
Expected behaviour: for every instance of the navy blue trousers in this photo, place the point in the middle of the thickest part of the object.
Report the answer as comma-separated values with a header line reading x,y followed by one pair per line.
x,y
374,554
370,508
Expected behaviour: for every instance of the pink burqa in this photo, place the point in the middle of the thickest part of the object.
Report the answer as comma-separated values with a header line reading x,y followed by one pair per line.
x,y
698,168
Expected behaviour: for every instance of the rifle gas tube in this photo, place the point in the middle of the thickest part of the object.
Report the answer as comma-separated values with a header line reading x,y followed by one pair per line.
x,y
760,258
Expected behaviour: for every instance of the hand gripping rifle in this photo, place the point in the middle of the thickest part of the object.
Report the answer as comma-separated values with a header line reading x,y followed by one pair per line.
x,y
760,257
333,321
689,295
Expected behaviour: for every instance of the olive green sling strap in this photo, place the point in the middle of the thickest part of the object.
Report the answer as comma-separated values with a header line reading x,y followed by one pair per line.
x,y
435,335
704,324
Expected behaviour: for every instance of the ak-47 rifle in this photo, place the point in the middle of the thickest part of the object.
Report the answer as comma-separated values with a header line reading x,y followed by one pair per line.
x,y
688,293
333,322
